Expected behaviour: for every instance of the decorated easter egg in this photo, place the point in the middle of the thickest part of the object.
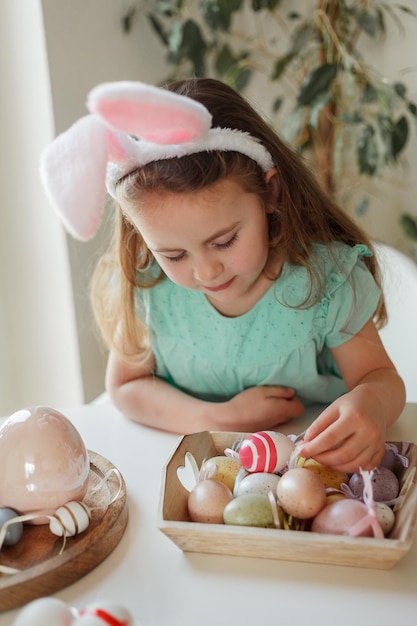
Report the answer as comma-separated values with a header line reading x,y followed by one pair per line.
x,y
340,517
103,613
258,482
250,509
222,468
301,493
207,500
45,611
72,518
14,531
331,478
385,484
43,461
265,451
385,516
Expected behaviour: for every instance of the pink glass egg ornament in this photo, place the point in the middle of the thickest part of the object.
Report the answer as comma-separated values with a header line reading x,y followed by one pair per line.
x,y
46,611
265,451
43,462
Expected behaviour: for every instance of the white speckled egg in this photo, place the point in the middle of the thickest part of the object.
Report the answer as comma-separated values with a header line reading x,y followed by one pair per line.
x,y
385,516
259,482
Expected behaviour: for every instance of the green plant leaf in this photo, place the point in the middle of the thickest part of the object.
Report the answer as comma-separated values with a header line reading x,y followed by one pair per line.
x,y
242,78
399,136
369,93
276,105
175,36
193,47
270,5
367,151
158,28
412,108
281,65
224,60
400,89
319,104
316,82
218,13
362,207
368,23
409,225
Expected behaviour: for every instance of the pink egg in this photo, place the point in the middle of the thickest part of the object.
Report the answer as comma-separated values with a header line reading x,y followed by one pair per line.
x,y
104,612
206,502
45,611
339,517
301,493
265,451
43,461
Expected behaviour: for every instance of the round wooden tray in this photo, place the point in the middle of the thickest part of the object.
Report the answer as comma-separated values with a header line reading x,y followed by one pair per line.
x,y
42,569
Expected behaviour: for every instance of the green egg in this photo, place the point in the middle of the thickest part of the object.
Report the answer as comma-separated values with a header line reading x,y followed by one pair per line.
x,y
249,509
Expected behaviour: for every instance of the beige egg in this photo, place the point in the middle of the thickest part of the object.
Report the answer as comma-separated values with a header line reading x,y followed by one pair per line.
x,y
301,493
331,478
221,468
207,501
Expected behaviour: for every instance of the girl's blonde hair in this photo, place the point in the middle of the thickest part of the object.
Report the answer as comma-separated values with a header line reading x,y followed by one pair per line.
x,y
303,214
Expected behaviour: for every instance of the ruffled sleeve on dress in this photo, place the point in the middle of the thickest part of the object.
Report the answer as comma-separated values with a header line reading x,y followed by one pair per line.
x,y
351,297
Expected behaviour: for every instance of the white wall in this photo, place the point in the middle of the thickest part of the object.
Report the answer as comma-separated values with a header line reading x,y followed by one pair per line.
x,y
86,45
38,354
51,53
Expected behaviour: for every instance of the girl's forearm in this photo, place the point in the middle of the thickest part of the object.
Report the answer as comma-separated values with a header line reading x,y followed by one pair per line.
x,y
153,402
387,389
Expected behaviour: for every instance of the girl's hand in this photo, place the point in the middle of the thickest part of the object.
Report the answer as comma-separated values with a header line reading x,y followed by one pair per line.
x,y
350,434
259,408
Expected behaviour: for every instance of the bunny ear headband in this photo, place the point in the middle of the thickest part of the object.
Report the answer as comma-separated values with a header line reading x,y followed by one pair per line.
x,y
130,124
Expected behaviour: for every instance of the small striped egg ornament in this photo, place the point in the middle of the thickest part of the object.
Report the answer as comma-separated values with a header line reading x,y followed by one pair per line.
x,y
265,451
103,613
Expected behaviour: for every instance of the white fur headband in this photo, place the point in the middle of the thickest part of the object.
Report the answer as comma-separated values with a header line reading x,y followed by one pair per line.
x,y
130,124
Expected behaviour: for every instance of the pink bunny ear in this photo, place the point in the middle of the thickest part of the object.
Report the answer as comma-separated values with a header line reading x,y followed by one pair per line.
x,y
73,172
150,113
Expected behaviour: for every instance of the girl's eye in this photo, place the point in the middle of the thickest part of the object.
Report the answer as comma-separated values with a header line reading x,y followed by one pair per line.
x,y
175,259
227,244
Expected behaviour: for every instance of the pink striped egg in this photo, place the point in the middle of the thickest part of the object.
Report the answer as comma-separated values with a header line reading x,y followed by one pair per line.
x,y
265,451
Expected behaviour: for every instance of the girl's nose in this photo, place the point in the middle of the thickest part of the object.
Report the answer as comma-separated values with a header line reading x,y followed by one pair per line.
x,y
205,270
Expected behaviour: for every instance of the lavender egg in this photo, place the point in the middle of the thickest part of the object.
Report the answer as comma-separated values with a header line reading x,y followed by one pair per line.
x,y
385,484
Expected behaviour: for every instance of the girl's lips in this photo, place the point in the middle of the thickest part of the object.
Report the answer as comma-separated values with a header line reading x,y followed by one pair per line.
x,y
221,287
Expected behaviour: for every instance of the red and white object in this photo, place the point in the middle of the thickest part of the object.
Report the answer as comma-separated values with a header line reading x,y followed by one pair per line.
x,y
265,451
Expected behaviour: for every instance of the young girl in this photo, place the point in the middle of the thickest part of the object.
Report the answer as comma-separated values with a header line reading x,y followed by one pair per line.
x,y
235,291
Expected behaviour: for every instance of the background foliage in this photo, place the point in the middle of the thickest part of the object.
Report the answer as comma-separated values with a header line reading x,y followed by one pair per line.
x,y
347,118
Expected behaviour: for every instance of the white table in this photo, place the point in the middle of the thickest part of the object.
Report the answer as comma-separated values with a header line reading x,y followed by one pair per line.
x,y
162,586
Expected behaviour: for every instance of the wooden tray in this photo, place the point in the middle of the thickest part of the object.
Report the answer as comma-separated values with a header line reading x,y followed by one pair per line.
x,y
173,521
43,570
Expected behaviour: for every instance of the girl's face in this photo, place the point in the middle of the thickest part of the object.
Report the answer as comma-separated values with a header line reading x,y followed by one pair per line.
x,y
214,241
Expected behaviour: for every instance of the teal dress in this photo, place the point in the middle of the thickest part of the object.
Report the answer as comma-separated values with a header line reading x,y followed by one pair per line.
x,y
213,357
